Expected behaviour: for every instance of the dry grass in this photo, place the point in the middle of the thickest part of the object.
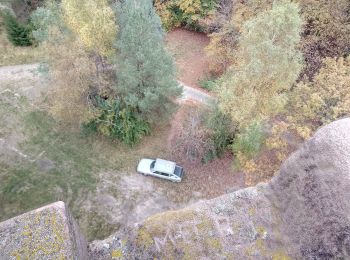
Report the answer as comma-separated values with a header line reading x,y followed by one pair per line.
x,y
11,55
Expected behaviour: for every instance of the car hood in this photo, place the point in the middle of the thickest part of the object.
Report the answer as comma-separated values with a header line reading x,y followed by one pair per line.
x,y
145,165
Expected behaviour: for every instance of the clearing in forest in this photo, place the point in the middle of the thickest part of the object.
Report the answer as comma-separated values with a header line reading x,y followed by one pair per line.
x,y
188,49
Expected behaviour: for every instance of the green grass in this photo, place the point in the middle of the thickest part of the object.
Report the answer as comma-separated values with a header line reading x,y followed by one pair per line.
x,y
78,160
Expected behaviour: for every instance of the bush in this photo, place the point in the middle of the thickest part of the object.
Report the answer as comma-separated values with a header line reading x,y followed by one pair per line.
x,y
204,135
117,122
221,133
18,34
250,140
176,13
207,83
192,140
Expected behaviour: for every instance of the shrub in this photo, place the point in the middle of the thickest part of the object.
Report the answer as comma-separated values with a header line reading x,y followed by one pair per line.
x,y
207,83
17,33
246,145
117,122
221,133
192,141
250,140
175,13
204,136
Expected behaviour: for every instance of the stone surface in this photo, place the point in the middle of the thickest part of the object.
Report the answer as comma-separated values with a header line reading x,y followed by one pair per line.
x,y
46,233
303,213
312,192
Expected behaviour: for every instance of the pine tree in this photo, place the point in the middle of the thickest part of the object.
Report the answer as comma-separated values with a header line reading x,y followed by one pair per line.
x,y
145,71
18,34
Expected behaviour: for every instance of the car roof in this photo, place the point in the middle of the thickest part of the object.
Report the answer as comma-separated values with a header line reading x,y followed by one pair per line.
x,y
164,166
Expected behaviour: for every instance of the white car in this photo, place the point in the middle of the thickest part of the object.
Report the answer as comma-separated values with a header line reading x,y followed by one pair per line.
x,y
161,168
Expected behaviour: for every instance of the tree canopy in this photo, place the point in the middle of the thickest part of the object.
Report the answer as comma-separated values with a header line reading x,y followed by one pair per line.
x,y
268,64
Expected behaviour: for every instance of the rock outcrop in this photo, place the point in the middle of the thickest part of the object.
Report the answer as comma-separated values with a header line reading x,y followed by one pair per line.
x,y
49,232
303,213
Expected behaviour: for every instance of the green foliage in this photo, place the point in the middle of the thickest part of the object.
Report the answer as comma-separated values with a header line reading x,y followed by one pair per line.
x,y
221,133
145,76
117,122
17,33
268,65
250,140
176,13
44,19
224,41
208,83
93,23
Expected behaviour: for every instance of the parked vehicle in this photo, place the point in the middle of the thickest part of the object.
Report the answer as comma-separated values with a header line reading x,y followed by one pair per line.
x,y
160,168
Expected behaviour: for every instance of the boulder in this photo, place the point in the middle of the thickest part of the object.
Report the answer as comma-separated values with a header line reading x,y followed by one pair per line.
x,y
49,232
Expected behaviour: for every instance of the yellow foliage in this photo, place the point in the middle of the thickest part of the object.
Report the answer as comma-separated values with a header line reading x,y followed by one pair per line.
x,y
280,255
93,22
117,254
175,13
71,72
325,99
223,44
190,6
267,65
245,163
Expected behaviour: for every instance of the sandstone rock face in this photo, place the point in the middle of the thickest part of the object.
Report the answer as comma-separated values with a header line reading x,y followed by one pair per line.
x,y
312,194
46,233
303,213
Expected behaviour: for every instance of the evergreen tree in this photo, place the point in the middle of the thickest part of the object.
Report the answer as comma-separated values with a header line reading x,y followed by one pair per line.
x,y
146,82
18,34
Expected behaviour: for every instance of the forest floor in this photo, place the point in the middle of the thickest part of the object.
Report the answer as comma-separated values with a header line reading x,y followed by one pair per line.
x,y
188,49
42,161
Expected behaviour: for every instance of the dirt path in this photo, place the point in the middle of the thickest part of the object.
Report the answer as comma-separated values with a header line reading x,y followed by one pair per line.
x,y
23,79
198,95
188,48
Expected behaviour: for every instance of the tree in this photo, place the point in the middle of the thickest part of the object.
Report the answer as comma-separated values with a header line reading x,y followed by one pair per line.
x,y
175,13
326,31
145,71
17,33
93,22
71,69
323,100
267,66
224,40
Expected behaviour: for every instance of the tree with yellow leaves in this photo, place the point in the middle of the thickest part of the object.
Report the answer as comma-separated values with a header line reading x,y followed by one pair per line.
x,y
93,22
175,13
268,65
323,100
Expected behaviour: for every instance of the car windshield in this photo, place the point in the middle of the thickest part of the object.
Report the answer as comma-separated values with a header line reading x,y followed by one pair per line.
x,y
152,165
